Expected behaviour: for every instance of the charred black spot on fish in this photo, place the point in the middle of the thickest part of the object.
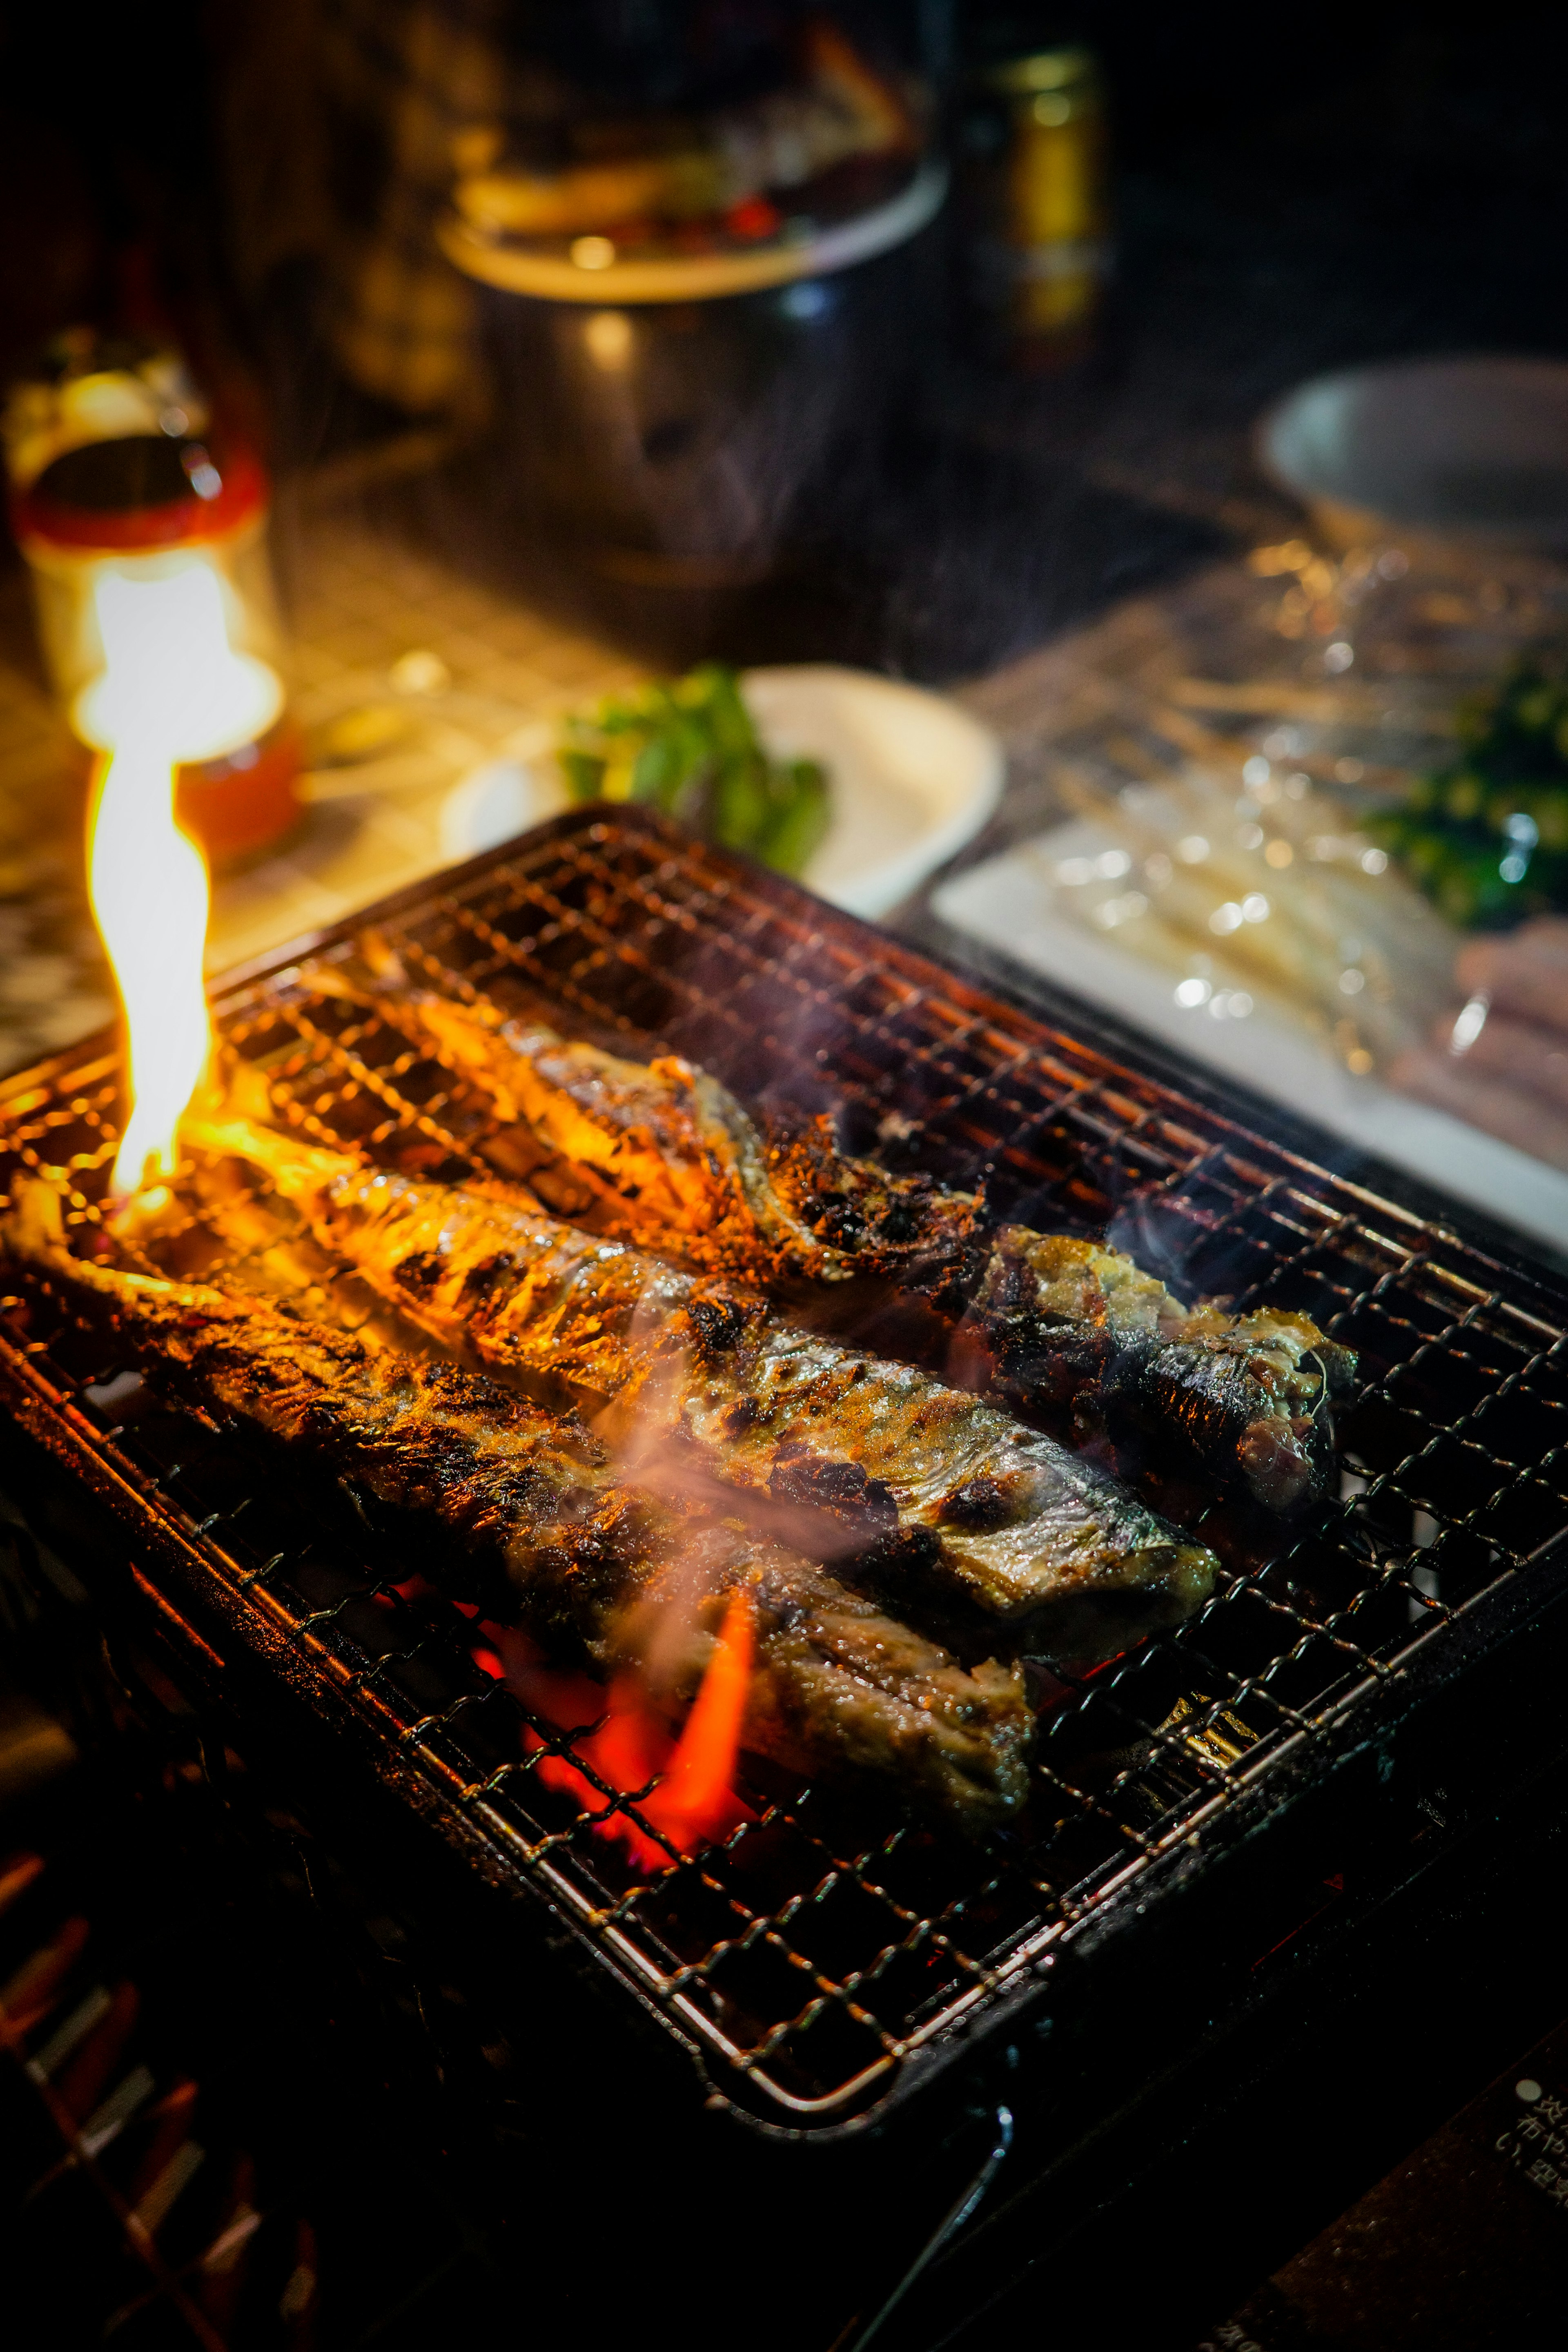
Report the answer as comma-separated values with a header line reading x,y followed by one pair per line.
x,y
423,1270
905,1555
1092,1415
1014,1289
906,1551
944,1290
898,1224
834,1220
717,1323
978,1506
481,1279
1052,1363
842,1487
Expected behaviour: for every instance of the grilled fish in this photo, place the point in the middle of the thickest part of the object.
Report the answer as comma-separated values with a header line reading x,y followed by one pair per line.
x,y
525,1512
944,1499
1070,1325
1058,1326
667,1152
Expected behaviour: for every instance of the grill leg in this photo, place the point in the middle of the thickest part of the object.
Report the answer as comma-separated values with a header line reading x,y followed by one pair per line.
x,y
946,2229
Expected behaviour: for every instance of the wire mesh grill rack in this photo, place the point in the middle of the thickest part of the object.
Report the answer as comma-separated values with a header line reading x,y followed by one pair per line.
x,y
808,1957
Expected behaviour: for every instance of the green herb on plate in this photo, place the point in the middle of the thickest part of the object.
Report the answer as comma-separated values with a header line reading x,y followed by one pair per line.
x,y
687,746
1486,836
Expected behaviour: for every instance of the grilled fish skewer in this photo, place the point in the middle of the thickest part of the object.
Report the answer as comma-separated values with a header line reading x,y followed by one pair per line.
x,y
1070,1325
1064,1327
948,1500
529,1515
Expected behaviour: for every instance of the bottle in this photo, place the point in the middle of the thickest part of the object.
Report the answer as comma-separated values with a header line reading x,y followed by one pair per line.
x,y
119,475
1034,210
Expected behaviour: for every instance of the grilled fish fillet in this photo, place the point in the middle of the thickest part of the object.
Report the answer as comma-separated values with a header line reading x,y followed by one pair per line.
x,y
947,1501
1071,1324
529,1515
1064,1327
667,1151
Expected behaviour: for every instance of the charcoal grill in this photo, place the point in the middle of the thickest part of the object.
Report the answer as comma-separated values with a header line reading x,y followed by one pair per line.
x,y
828,1967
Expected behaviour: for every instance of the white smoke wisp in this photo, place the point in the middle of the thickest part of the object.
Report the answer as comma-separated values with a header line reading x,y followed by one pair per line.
x,y
642,1432
645,1432
1161,1244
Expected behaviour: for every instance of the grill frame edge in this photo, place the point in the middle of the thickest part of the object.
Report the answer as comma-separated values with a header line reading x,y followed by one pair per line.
x,y
182,1576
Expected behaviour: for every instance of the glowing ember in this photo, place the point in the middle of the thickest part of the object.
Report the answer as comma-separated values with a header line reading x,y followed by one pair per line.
x,y
172,689
694,1802
629,1750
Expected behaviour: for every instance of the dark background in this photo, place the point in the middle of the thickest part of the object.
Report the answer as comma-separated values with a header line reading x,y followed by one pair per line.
x,y
1415,151
1296,188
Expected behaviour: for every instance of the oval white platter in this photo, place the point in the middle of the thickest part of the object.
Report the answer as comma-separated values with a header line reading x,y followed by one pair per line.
x,y
912,778
1009,905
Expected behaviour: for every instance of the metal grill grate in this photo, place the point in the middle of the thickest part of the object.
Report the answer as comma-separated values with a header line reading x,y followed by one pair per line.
x,y
811,1955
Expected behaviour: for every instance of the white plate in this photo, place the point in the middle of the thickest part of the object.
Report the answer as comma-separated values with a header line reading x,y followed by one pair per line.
x,y
1472,449
1008,904
911,776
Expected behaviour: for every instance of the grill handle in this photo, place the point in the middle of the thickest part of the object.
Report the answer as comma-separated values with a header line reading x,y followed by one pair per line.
x,y
946,2229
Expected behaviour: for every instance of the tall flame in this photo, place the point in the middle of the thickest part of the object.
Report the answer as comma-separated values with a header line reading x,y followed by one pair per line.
x,y
172,689
695,1800
149,889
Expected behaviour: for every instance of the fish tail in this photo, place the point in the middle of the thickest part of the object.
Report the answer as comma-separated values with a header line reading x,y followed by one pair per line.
x,y
33,1233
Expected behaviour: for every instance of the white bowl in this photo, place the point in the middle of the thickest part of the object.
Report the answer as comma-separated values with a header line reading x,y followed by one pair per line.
x,y
1473,449
912,778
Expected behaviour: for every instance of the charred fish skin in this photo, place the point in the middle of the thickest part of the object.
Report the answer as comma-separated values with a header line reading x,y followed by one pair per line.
x,y
671,1150
523,1511
951,1494
909,1227
1074,1327
979,1509
690,1174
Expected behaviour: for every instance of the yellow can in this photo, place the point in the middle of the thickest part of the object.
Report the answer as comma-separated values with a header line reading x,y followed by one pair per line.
x,y
1036,201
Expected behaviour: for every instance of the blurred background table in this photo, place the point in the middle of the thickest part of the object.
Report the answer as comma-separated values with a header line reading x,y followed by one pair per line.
x,y
485,672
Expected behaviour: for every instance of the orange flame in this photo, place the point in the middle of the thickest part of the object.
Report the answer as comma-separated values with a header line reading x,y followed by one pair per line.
x,y
149,891
172,689
694,1802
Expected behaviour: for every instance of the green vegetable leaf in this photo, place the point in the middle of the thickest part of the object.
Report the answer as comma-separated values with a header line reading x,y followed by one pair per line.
x,y
800,820
688,746
584,773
